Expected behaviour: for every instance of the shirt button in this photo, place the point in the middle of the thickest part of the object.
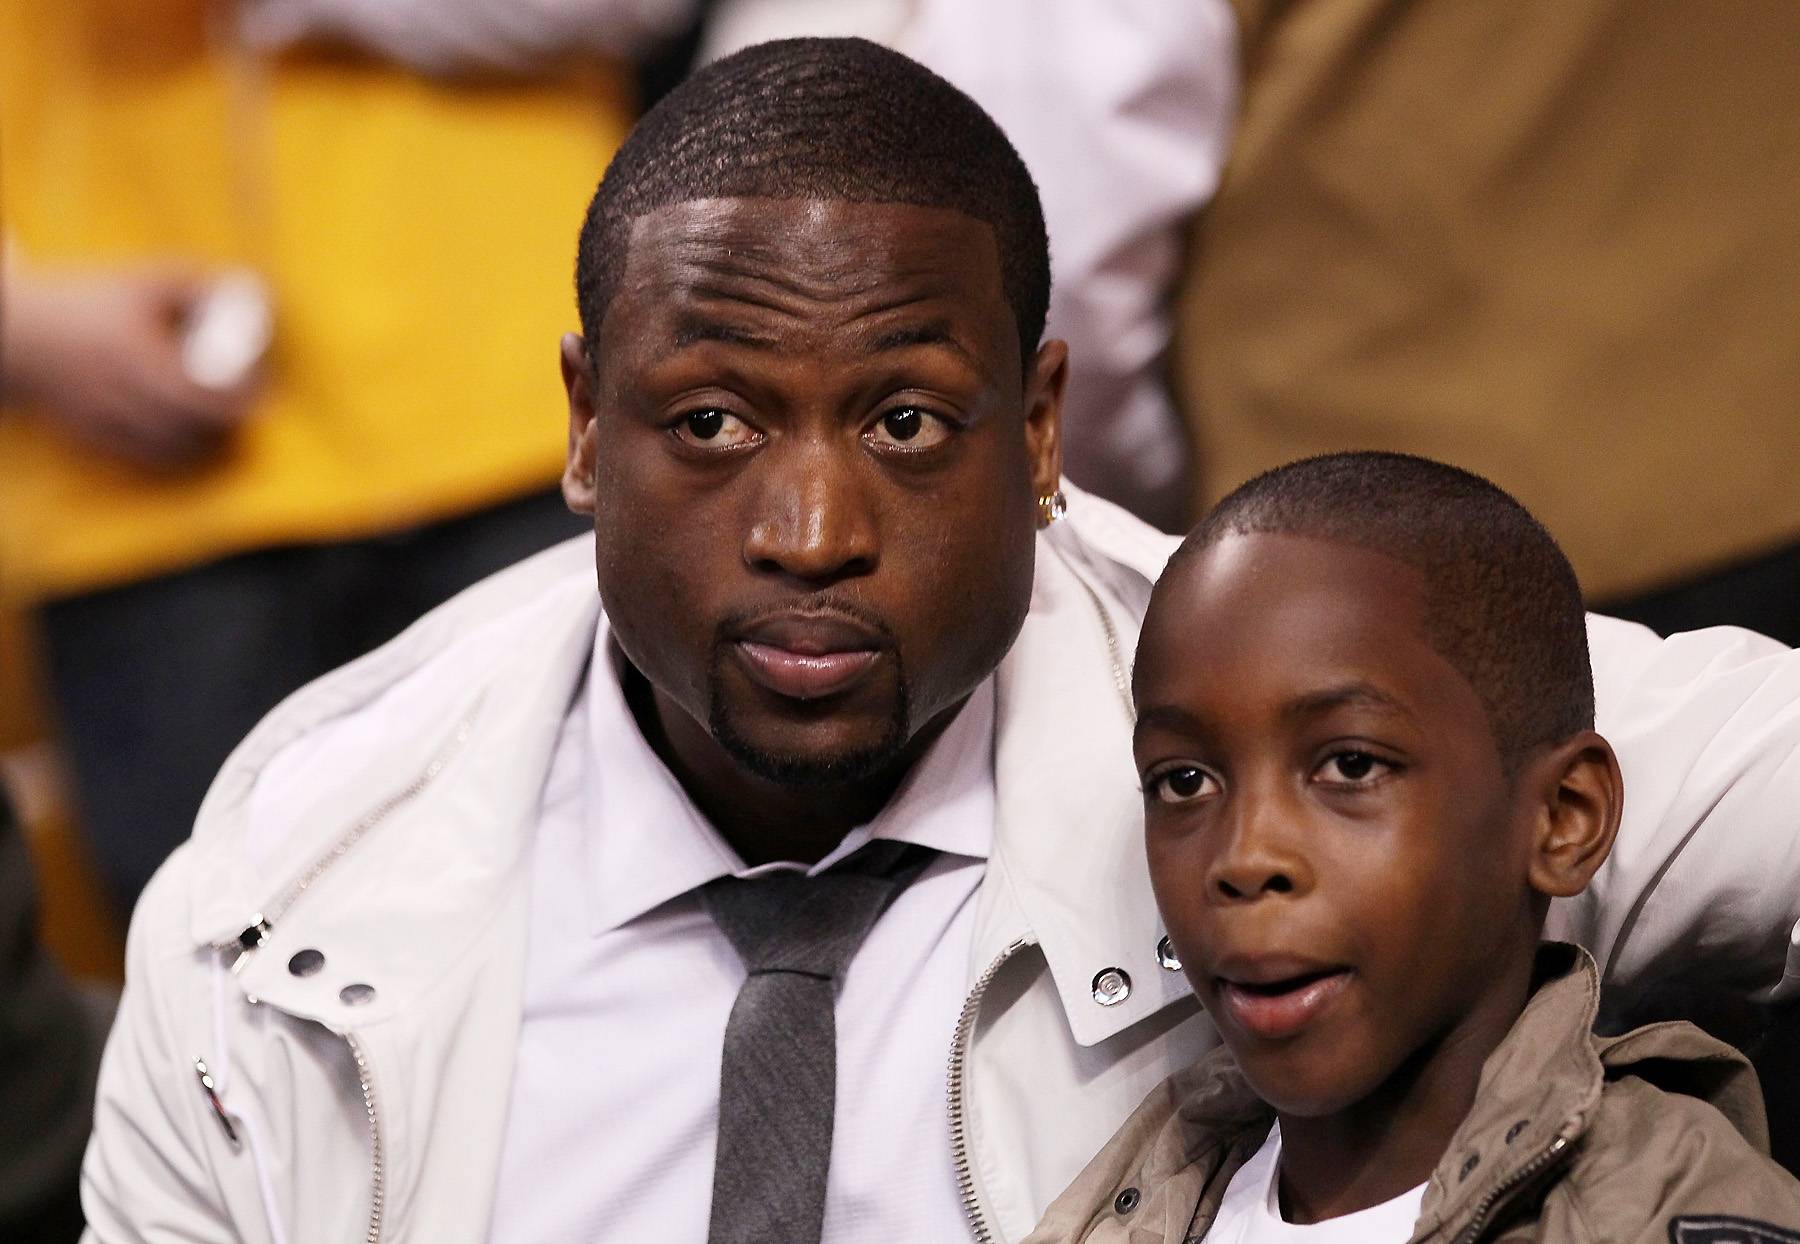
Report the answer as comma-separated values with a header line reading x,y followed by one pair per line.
x,y
1166,956
1111,986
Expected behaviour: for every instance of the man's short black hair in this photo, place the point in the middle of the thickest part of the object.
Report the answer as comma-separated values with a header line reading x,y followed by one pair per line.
x,y
836,119
1502,602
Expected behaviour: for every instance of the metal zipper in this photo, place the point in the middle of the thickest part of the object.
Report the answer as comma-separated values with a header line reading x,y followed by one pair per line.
x,y
378,1183
1539,1166
959,1135
262,924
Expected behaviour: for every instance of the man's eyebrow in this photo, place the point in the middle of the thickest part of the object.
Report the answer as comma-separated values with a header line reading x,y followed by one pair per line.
x,y
1351,694
930,333
692,330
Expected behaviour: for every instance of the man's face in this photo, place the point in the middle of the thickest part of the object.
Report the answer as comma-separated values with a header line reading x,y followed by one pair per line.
x,y
1334,843
812,454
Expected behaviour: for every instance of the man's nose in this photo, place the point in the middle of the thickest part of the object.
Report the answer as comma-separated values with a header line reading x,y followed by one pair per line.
x,y
815,519
1259,856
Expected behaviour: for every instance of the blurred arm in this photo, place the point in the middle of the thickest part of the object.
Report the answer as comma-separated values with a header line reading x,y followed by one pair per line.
x,y
1703,886
450,37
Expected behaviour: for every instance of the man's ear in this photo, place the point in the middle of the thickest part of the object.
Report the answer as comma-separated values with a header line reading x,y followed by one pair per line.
x,y
1045,382
579,471
1578,798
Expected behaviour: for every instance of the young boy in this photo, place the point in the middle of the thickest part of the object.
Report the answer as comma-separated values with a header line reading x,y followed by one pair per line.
x,y
1365,736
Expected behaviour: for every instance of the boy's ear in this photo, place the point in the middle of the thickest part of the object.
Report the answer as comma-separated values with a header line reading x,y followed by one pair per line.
x,y
1579,796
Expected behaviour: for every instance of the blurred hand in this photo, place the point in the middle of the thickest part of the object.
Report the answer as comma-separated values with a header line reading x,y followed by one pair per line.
x,y
98,357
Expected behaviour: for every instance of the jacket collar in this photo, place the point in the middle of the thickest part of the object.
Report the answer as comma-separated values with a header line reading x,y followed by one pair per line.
x,y
1069,831
1538,1095
443,739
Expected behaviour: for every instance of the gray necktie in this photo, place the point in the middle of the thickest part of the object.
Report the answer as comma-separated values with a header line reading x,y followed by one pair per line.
x,y
778,1077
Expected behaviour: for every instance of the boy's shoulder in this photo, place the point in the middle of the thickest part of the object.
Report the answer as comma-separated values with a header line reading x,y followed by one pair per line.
x,y
1677,1150
1656,1135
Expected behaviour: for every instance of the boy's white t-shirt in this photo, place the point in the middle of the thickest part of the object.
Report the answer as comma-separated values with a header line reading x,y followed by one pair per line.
x,y
1251,1211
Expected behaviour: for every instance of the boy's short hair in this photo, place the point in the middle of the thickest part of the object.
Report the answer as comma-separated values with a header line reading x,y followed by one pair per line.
x,y
1502,602
843,120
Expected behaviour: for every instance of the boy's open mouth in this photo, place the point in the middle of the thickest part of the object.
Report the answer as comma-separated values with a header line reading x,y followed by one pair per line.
x,y
1276,1007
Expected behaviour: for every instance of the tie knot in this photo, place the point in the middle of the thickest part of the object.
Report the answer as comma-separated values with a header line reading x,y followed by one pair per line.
x,y
789,922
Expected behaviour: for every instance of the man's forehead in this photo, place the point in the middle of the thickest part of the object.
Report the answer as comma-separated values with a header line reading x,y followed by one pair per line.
x,y
850,244
825,265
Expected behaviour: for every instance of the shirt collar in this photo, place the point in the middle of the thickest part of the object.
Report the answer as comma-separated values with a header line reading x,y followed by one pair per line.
x,y
647,843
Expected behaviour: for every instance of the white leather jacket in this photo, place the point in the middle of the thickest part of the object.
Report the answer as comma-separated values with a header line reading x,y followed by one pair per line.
x,y
317,1035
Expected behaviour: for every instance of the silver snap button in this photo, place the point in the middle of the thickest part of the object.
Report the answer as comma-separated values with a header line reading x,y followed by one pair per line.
x,y
356,995
306,962
1111,986
1166,956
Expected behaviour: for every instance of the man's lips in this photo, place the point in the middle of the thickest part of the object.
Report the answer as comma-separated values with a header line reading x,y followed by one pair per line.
x,y
808,657
1273,998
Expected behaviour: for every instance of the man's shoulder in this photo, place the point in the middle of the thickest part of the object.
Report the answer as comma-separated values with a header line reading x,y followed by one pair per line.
x,y
506,651
1117,535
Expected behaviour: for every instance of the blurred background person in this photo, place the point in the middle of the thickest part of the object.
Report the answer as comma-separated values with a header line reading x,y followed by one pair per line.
x,y
1520,237
382,188
50,1041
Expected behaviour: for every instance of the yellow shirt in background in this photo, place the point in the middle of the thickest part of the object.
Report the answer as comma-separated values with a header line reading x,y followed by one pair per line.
x,y
418,237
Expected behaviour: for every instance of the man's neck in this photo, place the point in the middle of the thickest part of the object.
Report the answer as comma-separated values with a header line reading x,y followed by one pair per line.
x,y
764,820
1390,1141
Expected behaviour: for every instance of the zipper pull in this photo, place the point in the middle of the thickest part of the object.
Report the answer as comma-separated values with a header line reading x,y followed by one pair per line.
x,y
254,935
212,1099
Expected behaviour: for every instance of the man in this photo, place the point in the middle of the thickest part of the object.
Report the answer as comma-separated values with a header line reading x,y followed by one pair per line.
x,y
459,950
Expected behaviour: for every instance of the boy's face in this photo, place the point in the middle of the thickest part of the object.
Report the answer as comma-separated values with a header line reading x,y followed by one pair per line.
x,y
1339,853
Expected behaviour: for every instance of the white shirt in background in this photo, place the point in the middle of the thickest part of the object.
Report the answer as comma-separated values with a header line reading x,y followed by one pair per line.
x,y
628,984
1251,1210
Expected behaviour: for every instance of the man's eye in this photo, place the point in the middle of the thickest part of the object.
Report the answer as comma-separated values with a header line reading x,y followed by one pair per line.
x,y
1180,784
713,428
908,427
1352,768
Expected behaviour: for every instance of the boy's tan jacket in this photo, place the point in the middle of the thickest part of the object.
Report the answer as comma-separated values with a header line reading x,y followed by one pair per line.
x,y
1657,1135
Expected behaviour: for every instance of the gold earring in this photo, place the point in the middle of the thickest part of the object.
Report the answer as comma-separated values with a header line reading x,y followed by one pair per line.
x,y
1051,507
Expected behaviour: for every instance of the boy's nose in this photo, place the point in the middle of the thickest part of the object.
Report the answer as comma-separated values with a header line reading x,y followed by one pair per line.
x,y
1257,858
1250,880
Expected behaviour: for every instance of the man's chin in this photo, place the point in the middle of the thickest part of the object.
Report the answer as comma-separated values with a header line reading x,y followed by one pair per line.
x,y
789,757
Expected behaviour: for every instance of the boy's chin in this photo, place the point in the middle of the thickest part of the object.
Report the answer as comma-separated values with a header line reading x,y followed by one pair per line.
x,y
1303,1088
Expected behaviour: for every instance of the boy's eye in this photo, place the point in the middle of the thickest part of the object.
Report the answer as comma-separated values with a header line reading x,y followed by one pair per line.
x,y
1352,768
712,428
1180,784
909,427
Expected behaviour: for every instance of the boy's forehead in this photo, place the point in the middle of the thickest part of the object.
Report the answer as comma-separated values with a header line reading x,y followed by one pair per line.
x,y
1234,583
1287,608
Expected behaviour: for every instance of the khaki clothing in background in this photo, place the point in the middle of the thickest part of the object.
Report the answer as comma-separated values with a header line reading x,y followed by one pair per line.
x,y
1553,243
1657,1135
